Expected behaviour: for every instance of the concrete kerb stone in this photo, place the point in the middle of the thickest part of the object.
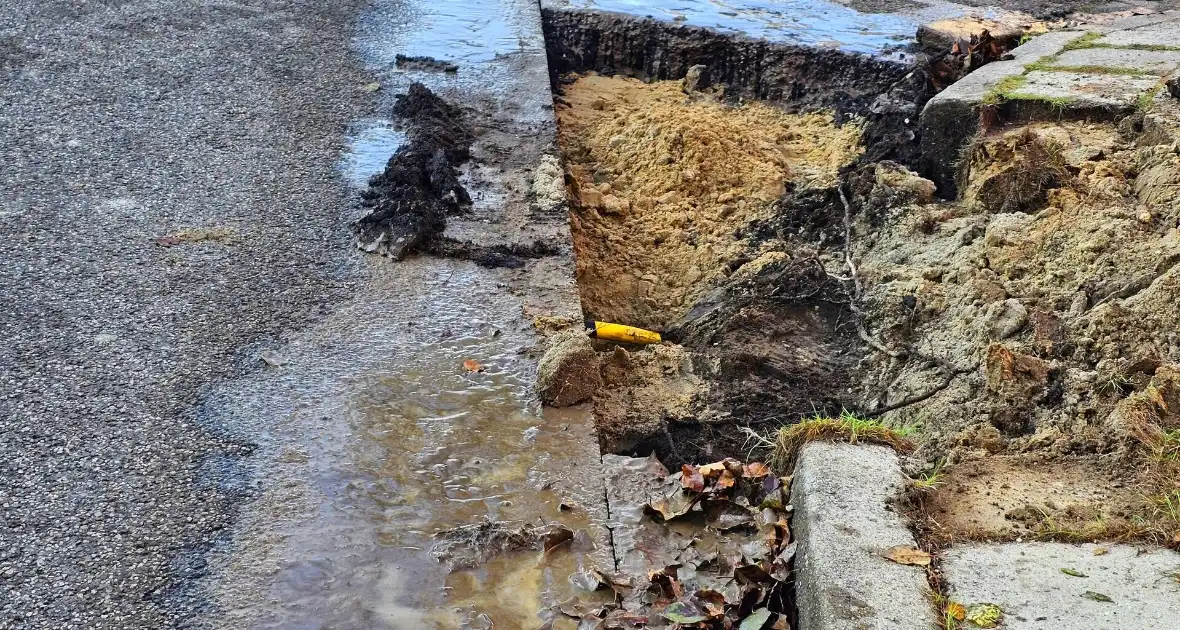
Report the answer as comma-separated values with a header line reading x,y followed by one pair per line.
x,y
952,118
844,519
1123,588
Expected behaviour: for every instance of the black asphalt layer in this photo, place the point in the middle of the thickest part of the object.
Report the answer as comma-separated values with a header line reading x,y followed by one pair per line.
x,y
123,124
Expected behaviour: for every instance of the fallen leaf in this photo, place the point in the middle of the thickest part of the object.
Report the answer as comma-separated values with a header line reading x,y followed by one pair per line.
x,y
956,611
712,470
371,87
725,481
471,365
1176,538
558,536
683,612
902,554
1073,572
1101,551
984,615
1098,597
691,479
755,470
756,620
167,241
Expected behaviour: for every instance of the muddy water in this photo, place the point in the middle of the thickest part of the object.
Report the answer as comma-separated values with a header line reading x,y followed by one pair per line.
x,y
809,22
409,409
376,435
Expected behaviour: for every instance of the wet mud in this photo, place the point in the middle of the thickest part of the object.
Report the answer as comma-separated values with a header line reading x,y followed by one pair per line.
x,y
410,200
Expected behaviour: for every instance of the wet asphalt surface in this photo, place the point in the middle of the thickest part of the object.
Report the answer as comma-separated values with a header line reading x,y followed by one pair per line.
x,y
122,122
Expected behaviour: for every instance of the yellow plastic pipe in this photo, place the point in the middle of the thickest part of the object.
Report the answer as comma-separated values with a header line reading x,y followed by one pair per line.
x,y
621,333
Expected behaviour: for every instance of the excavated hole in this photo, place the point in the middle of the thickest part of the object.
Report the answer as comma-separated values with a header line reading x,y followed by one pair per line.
x,y
666,188
681,205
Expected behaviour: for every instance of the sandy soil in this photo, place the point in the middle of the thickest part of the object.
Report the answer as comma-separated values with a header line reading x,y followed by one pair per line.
x,y
664,181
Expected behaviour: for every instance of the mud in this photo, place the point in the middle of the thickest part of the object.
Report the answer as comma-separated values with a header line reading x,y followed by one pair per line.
x,y
686,215
410,200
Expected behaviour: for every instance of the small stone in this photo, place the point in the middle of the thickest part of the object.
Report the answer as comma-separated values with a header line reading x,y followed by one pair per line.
x,y
1145,217
697,78
104,338
272,358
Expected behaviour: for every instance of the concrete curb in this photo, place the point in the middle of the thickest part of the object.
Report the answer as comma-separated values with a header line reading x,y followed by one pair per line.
x,y
844,519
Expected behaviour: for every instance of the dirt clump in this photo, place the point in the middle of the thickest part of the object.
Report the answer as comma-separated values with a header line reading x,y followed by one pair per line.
x,y
410,200
663,182
568,372
643,393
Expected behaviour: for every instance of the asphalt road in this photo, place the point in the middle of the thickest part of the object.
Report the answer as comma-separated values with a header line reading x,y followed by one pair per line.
x,y
122,122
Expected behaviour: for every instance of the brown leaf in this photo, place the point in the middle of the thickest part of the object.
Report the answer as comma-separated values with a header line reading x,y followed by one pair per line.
x,y
471,365
557,537
691,478
755,470
725,481
712,470
902,554
1176,538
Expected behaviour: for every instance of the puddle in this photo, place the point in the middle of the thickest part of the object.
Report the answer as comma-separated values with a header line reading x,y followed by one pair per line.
x,y
460,31
808,22
371,143
376,436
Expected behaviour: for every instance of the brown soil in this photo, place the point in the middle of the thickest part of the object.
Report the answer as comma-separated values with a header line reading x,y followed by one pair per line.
x,y
662,183
1008,497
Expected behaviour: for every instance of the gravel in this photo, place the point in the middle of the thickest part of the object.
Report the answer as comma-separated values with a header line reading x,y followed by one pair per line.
x,y
122,122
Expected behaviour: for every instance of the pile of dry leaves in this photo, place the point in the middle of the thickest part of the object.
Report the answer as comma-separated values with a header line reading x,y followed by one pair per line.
x,y
712,549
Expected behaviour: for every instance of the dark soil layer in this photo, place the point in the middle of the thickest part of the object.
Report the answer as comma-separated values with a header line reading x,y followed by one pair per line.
x,y
888,93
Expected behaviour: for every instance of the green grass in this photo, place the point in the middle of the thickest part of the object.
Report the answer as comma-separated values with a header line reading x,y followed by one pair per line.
x,y
847,427
1003,89
930,480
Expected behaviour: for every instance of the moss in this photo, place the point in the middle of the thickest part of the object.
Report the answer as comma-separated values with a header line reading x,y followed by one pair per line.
x,y
1003,89
1091,69
1088,40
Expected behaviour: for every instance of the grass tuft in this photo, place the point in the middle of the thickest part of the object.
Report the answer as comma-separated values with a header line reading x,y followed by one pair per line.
x,y
847,427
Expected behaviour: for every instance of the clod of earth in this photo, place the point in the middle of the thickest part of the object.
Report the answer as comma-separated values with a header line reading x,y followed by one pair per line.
x,y
568,372
472,545
410,200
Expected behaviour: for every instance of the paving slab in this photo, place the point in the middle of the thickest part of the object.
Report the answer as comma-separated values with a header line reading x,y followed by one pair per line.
x,y
1165,32
1078,91
1121,59
844,519
1098,79
1026,581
